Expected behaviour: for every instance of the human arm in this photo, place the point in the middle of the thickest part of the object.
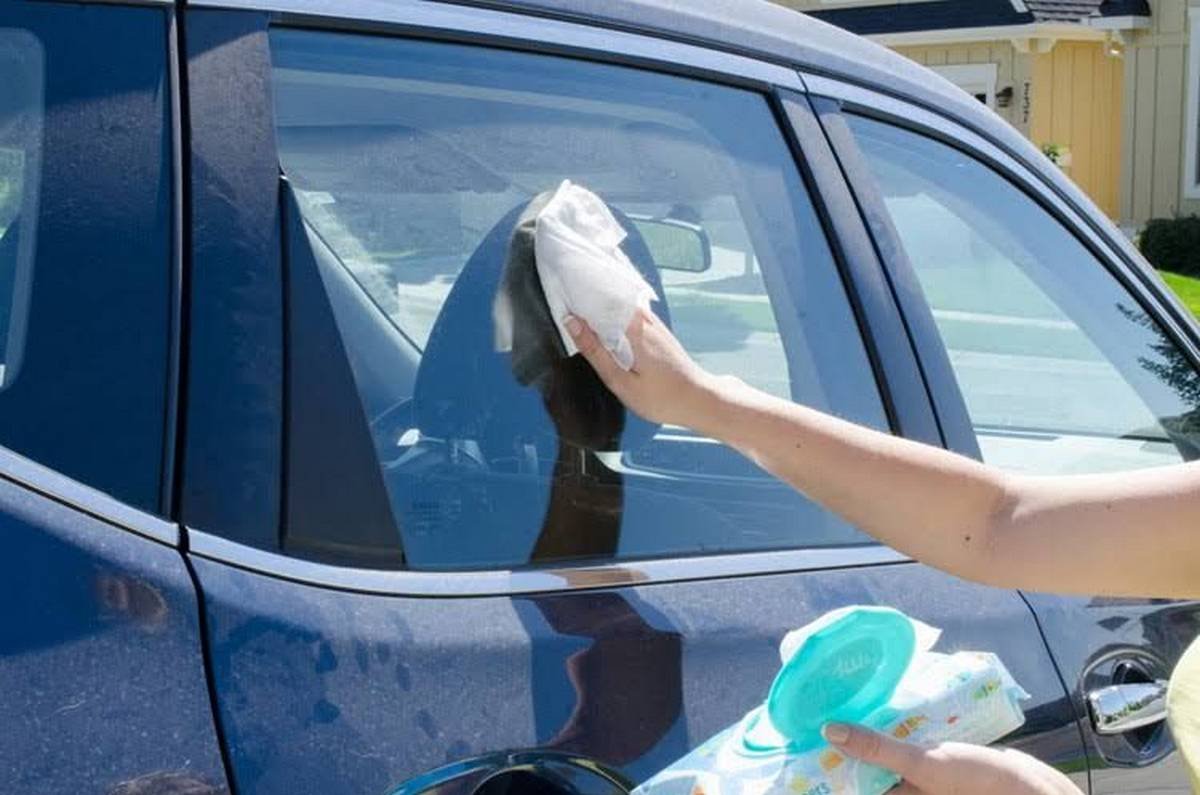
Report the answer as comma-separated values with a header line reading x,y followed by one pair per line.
x,y
1126,534
951,768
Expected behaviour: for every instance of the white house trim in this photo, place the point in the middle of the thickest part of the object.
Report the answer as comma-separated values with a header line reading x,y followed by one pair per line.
x,y
1038,30
1191,158
1119,23
974,78
1039,46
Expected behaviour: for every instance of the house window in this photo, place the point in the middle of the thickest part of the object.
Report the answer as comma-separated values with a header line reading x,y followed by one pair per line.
x,y
977,79
1191,158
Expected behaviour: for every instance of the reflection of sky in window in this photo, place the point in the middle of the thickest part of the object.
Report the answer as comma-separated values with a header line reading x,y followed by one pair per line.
x,y
1059,369
406,247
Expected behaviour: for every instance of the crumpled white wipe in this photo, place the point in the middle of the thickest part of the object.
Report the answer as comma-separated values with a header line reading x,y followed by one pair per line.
x,y
585,273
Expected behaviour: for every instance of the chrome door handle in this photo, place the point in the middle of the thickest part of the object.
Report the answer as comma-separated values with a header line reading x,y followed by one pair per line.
x,y
1121,708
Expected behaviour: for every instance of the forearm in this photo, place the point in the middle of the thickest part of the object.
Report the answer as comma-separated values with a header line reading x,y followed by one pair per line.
x,y
1118,534
928,503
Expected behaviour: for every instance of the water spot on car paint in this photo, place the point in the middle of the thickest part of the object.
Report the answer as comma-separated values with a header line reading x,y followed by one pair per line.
x,y
403,632
427,724
325,712
134,599
457,750
362,657
403,676
326,660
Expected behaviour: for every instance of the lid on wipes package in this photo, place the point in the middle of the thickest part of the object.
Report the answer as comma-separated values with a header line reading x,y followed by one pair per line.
x,y
842,669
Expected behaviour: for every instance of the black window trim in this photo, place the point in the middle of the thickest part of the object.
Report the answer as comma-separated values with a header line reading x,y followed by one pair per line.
x,y
1103,240
934,360
778,85
881,325
172,432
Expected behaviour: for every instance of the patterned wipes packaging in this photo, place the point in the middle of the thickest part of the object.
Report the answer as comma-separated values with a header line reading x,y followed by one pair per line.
x,y
965,697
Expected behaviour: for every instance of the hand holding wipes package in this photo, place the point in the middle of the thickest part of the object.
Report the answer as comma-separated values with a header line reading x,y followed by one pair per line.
x,y
871,666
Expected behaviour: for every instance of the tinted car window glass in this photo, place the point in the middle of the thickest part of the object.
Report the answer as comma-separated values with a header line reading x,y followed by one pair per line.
x,y
1061,369
84,242
21,109
411,161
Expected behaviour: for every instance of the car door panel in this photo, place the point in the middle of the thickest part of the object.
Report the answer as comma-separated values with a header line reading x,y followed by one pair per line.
x,y
100,656
102,674
331,691
1086,633
1081,369
336,679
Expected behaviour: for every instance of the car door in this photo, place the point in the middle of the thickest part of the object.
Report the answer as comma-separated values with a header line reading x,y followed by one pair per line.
x,y
1051,355
419,573
101,669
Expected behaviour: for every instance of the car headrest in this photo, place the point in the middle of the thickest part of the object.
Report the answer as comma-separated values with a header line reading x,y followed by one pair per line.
x,y
465,389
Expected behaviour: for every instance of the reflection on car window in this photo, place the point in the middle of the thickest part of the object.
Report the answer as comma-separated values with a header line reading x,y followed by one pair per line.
x,y
85,244
21,113
1061,369
411,163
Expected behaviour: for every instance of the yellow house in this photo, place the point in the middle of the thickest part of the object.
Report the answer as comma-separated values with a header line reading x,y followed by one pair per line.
x,y
1112,86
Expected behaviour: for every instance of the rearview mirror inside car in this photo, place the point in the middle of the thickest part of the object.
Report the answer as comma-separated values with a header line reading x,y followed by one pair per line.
x,y
675,245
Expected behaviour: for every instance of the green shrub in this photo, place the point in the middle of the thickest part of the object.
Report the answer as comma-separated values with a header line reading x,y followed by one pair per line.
x,y
1173,244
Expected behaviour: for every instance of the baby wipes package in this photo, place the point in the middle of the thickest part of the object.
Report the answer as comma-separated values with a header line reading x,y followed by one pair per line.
x,y
872,666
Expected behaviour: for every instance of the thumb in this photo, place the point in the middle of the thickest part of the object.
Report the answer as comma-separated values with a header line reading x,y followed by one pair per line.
x,y
877,749
590,347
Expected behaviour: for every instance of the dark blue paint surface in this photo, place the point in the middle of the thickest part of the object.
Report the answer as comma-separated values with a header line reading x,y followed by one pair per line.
x,y
1085,632
101,668
89,398
234,404
328,691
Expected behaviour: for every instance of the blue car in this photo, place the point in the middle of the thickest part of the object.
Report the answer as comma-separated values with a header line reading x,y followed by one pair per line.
x,y
282,520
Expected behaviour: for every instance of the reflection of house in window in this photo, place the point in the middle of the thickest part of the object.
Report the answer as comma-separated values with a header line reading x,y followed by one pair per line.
x,y
1058,70
977,79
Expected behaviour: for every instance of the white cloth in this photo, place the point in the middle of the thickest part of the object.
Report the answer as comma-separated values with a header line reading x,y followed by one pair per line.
x,y
585,273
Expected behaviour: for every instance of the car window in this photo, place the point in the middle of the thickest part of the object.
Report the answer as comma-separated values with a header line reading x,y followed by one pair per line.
x,y
1062,370
21,110
85,243
411,161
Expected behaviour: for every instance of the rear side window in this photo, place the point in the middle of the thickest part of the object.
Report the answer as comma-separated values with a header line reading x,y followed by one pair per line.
x,y
410,162
1062,370
21,112
85,233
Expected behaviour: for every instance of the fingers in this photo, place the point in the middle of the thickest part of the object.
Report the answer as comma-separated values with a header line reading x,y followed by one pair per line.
x,y
876,749
904,788
597,355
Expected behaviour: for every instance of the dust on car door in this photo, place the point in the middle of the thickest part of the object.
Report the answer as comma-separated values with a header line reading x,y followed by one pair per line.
x,y
101,667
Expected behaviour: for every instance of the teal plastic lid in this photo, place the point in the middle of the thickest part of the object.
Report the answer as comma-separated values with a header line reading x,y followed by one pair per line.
x,y
842,672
